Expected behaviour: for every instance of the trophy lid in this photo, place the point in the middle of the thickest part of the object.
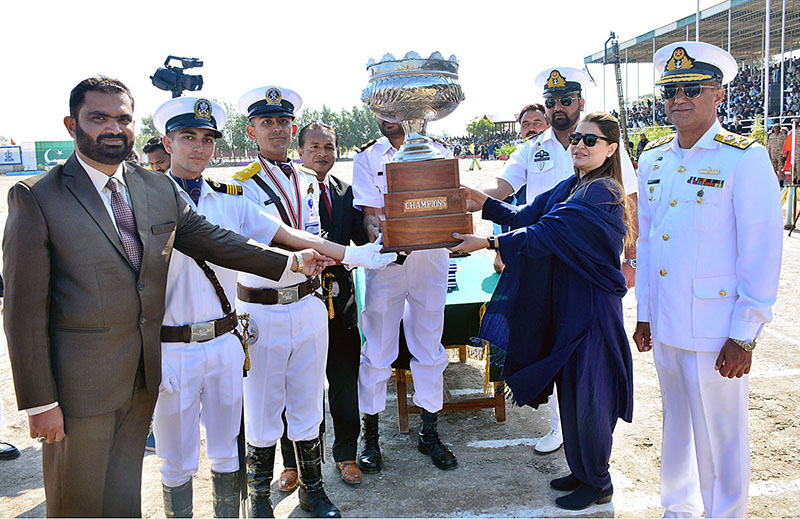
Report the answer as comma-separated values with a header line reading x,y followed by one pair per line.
x,y
413,62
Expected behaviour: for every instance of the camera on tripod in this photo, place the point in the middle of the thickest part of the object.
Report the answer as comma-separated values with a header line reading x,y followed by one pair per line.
x,y
171,77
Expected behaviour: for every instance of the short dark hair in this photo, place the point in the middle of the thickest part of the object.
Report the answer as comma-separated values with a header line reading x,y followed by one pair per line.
x,y
102,84
301,137
153,144
535,107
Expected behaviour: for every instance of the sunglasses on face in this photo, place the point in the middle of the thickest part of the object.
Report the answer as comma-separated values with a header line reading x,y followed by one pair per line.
x,y
589,139
550,102
690,91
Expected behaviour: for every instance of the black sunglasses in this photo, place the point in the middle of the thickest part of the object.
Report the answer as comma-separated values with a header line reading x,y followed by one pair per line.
x,y
690,91
550,102
589,139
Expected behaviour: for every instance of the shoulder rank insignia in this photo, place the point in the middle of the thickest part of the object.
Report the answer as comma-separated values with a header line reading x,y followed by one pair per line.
x,y
248,172
307,171
228,189
438,141
735,140
526,139
365,146
658,142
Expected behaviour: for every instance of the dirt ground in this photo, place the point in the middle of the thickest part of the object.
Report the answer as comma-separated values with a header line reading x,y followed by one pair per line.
x,y
499,474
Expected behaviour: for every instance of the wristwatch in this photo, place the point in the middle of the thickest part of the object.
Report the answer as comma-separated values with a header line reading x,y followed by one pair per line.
x,y
492,244
745,345
629,261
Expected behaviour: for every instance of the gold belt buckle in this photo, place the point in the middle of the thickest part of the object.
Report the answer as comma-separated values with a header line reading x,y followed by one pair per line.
x,y
202,332
288,295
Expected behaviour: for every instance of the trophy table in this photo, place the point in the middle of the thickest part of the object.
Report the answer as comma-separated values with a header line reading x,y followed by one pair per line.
x,y
424,204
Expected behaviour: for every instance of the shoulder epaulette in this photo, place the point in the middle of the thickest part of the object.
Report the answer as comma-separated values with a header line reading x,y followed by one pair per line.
x,y
439,141
307,171
732,139
228,189
526,139
247,172
658,142
365,146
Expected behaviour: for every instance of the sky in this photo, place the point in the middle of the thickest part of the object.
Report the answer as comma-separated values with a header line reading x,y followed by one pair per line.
x,y
317,48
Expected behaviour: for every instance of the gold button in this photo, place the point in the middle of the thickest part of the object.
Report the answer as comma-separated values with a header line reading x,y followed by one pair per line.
x,y
652,189
649,197
662,272
681,169
699,200
673,203
723,293
665,237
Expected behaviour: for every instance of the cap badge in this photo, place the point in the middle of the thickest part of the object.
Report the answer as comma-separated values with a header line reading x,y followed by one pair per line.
x,y
556,80
680,60
202,109
274,96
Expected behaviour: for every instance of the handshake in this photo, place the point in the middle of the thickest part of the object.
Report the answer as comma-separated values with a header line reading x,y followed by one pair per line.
x,y
312,263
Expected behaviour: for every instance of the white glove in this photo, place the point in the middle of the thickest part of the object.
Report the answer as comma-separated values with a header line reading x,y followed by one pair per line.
x,y
368,256
169,380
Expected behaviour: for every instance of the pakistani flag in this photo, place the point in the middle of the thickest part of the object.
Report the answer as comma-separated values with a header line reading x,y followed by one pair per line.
x,y
50,153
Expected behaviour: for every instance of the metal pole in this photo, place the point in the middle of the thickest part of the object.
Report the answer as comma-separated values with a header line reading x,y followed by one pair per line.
x,y
696,24
604,85
626,80
728,105
783,50
654,81
766,68
791,202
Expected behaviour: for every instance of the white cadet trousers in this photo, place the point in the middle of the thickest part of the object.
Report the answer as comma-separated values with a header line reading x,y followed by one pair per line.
x,y
555,418
287,370
414,292
705,448
209,375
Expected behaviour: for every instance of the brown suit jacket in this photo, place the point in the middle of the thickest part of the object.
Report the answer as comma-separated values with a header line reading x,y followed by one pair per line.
x,y
78,318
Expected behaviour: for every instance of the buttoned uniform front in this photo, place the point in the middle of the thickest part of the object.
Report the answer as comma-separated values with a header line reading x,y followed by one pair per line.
x,y
414,292
208,374
288,354
709,253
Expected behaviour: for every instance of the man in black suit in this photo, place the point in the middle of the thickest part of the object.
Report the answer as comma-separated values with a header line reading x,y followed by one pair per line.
x,y
341,223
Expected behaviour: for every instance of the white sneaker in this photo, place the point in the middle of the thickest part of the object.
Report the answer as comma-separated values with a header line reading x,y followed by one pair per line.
x,y
550,442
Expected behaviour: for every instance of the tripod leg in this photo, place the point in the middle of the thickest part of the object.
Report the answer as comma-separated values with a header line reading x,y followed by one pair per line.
x,y
794,221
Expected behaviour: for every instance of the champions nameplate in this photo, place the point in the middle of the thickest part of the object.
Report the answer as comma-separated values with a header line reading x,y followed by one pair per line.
x,y
425,204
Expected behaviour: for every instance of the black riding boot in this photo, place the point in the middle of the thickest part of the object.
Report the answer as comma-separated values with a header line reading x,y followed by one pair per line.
x,y
178,500
225,492
370,460
312,494
260,463
430,444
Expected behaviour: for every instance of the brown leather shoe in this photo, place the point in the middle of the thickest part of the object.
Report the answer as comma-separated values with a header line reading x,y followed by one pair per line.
x,y
288,480
349,471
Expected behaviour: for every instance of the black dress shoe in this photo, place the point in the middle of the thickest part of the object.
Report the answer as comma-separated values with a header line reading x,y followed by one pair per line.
x,y
584,496
8,451
566,483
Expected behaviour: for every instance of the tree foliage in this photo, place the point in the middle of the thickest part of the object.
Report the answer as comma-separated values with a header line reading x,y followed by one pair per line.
x,y
480,127
353,128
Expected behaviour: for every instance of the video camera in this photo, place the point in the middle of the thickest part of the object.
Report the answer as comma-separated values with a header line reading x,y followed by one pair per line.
x,y
171,77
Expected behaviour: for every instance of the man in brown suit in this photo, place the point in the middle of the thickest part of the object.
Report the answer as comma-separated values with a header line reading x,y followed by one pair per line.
x,y
86,251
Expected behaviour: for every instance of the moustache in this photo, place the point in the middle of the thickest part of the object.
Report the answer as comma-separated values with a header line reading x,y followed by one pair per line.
x,y
112,136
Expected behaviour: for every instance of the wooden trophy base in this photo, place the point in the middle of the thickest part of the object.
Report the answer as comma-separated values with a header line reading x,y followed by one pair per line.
x,y
424,206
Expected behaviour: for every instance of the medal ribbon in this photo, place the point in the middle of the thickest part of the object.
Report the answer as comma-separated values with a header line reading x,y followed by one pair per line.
x,y
294,213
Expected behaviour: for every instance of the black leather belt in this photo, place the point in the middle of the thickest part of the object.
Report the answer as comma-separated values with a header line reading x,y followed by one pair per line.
x,y
275,296
199,332
401,257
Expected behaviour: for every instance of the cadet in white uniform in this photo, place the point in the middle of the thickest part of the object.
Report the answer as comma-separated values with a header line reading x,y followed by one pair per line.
x,y
414,291
288,320
540,163
709,261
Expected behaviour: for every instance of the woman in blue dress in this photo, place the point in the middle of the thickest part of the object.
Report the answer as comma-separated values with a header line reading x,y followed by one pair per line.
x,y
556,315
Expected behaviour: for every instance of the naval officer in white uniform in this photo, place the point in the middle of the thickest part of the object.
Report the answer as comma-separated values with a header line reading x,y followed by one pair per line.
x,y
709,261
414,291
288,320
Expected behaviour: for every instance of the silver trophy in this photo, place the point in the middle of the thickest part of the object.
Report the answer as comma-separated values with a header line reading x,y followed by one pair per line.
x,y
412,91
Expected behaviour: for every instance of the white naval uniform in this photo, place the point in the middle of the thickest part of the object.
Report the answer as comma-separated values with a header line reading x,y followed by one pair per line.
x,y
709,262
540,164
208,374
288,356
414,292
